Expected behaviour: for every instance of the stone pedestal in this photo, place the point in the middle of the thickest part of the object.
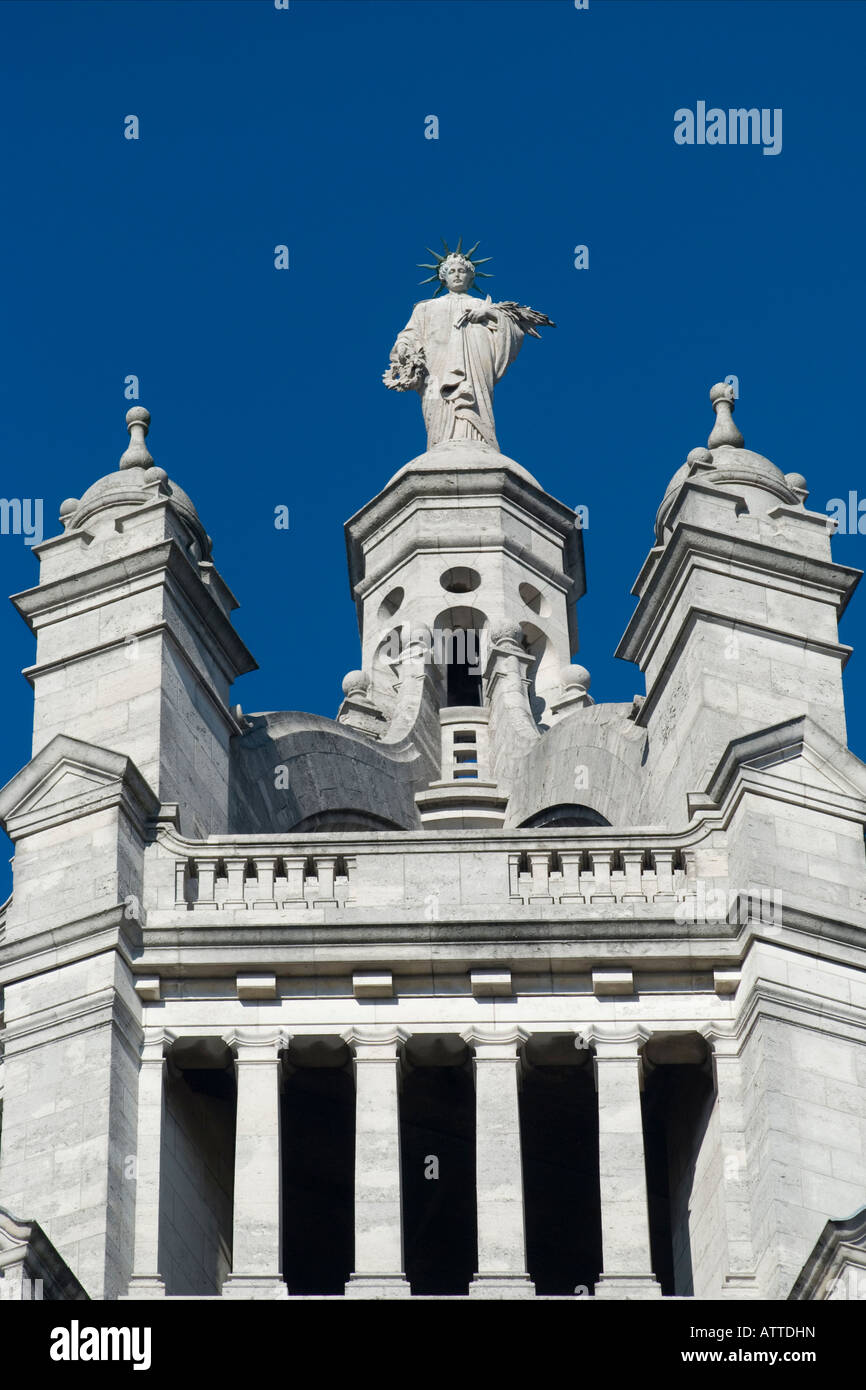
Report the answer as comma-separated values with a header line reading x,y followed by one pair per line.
x,y
378,1269
502,1269
627,1272
257,1227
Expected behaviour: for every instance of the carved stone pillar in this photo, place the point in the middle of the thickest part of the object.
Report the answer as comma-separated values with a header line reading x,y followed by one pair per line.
x,y
146,1280
378,1184
627,1263
502,1269
257,1226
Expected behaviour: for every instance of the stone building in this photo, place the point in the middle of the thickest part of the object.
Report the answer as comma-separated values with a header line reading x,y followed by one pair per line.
x,y
481,988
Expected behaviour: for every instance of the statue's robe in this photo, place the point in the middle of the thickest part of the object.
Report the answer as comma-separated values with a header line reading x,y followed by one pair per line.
x,y
463,366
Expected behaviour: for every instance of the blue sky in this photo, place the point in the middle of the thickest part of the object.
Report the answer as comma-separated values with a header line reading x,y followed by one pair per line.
x,y
261,127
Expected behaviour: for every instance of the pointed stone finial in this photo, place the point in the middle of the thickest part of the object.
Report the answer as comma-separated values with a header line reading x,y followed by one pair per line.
x,y
724,430
137,455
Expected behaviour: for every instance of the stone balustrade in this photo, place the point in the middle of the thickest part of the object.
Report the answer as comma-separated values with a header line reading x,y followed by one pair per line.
x,y
235,876
597,875
262,883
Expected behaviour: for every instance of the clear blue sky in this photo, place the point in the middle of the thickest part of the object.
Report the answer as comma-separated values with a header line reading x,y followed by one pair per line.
x,y
261,126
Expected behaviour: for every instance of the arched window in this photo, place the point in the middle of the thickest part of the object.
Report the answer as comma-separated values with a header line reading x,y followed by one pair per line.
x,y
462,672
457,649
563,817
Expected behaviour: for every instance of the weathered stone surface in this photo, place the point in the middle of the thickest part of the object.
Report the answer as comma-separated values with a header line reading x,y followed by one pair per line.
x,y
668,895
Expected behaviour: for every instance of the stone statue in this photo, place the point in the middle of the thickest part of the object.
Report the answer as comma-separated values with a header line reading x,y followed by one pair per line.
x,y
454,350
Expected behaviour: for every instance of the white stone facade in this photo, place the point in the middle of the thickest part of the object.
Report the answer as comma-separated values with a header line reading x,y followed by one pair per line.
x,y
479,990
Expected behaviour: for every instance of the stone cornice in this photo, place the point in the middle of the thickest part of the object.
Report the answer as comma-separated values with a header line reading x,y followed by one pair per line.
x,y
103,1008
780,742
753,765
450,483
62,663
556,576
692,614
432,841
48,602
40,951
816,1013
758,561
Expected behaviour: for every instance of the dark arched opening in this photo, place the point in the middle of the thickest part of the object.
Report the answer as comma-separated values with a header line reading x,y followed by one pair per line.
x,y
563,817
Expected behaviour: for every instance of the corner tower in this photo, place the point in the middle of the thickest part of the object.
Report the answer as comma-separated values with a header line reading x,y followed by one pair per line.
x,y
135,647
736,623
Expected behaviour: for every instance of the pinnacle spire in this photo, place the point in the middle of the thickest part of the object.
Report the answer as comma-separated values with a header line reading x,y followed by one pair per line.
x,y
138,424
724,430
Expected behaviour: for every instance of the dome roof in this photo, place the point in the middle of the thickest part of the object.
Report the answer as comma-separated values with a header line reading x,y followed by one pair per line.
x,y
463,455
136,482
132,487
726,462
743,466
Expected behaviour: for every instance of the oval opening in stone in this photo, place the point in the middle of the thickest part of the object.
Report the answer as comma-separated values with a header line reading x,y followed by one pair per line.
x,y
460,580
391,603
534,599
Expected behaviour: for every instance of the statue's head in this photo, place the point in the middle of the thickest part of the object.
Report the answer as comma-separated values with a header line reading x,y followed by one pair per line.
x,y
457,270
457,273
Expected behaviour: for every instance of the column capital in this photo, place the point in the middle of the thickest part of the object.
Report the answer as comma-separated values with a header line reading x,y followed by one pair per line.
x,y
155,1043
257,1044
375,1042
494,1044
378,1271
724,1043
615,1042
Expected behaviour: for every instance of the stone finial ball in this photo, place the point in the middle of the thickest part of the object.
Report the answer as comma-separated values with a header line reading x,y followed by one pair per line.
x,y
67,507
155,475
574,676
722,391
138,416
699,456
796,482
355,683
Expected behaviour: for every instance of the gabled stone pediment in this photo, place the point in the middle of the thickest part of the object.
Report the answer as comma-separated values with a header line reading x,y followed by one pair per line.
x,y
795,758
67,777
836,1268
30,1266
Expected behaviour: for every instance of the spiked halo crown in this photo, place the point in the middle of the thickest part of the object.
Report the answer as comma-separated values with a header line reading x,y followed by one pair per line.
x,y
457,251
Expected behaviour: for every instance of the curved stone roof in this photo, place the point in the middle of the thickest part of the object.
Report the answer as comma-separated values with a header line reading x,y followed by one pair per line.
x,y
727,466
129,487
465,455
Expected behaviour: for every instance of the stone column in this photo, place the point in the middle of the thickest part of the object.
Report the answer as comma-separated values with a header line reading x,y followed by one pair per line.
x,y
740,1280
502,1271
627,1263
146,1280
378,1185
257,1226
